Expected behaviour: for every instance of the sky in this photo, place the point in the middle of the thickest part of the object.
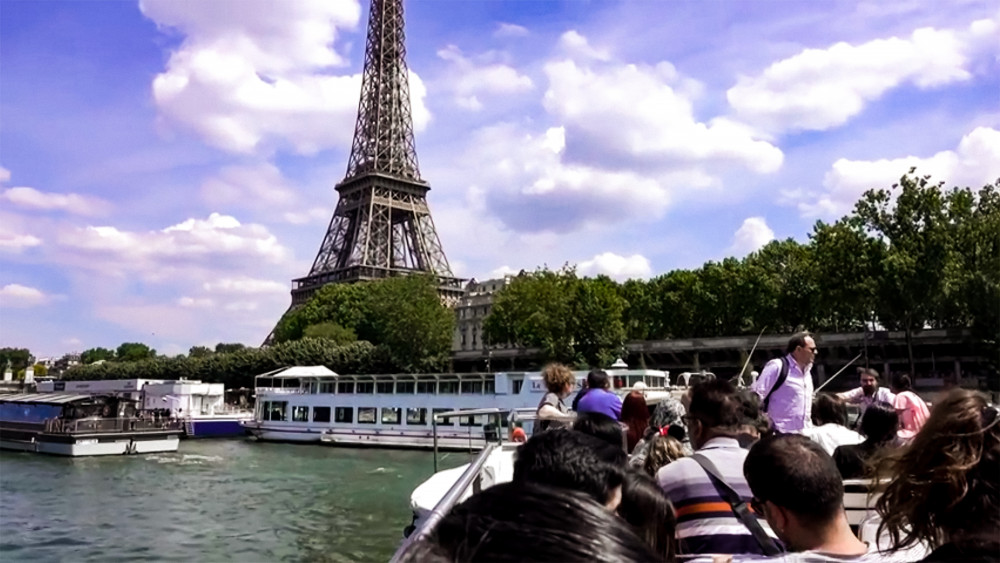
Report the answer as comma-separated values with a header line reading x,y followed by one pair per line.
x,y
167,167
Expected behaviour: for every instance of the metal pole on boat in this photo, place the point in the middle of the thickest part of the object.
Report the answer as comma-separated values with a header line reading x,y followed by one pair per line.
x,y
434,431
818,389
750,355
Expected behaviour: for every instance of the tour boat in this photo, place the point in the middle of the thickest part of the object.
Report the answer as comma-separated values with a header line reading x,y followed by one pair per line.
x,y
74,424
314,404
200,407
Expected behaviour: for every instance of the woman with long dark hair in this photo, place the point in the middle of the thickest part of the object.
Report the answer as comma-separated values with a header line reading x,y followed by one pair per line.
x,y
945,484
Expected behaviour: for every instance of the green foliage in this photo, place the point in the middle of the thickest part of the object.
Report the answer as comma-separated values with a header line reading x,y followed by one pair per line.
x,y
237,369
331,331
402,316
200,352
223,348
96,354
41,370
17,358
134,352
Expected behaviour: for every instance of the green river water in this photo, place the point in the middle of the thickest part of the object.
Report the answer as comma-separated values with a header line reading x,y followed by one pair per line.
x,y
213,500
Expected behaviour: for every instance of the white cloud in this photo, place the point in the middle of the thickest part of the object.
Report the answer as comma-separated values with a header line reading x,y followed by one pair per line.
x,y
752,235
616,267
195,303
818,89
76,204
16,295
251,75
307,216
10,242
511,30
245,285
975,162
469,78
4,175
502,271
259,185
576,44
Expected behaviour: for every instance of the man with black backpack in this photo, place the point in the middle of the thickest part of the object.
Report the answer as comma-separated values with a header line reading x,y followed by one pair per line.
x,y
785,385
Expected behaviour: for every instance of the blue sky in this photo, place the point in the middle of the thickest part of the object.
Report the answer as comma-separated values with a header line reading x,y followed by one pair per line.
x,y
167,166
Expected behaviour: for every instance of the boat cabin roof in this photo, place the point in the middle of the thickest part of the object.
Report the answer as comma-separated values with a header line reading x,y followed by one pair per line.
x,y
45,398
296,372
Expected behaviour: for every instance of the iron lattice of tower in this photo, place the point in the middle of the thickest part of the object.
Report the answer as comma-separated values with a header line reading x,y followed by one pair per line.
x,y
382,225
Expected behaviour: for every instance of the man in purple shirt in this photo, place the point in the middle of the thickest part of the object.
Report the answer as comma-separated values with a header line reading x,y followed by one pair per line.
x,y
598,398
790,404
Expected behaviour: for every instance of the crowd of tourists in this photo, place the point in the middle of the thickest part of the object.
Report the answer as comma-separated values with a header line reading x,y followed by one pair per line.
x,y
727,474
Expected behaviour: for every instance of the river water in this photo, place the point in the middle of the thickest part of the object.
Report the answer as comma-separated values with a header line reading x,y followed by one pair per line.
x,y
213,500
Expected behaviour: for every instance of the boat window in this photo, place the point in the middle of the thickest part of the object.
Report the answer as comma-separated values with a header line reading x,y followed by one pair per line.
x,y
448,387
300,414
518,384
366,415
343,414
416,416
384,387
327,387
391,415
405,387
365,387
345,387
489,386
477,420
619,381
427,387
275,410
633,379
321,414
472,387
448,422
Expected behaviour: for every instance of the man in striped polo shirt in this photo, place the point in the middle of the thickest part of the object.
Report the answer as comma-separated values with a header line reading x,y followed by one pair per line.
x,y
706,522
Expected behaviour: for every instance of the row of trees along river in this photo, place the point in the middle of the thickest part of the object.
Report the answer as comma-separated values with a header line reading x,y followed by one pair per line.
x,y
913,256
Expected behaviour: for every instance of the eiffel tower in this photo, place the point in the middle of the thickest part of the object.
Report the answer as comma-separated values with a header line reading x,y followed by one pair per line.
x,y
382,225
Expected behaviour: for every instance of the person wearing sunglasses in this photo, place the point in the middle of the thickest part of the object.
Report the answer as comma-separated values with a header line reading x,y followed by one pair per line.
x,y
797,488
785,385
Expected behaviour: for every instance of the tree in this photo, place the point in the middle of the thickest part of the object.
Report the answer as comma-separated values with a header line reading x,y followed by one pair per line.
x,y
598,330
41,370
96,354
134,352
408,322
331,331
16,358
200,352
222,348
846,264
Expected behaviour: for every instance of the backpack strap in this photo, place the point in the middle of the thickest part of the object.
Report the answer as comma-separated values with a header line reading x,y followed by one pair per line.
x,y
740,508
782,376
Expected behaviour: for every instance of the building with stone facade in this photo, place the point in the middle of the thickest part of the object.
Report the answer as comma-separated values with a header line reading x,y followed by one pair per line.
x,y
471,311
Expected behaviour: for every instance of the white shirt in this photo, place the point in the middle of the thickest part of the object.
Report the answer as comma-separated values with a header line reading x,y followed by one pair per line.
x,y
832,435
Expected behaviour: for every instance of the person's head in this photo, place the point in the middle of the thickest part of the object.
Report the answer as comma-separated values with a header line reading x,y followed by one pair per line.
x,y
648,510
879,423
901,382
869,381
532,522
600,426
797,486
668,412
519,435
754,422
572,460
715,411
598,379
945,484
635,413
663,449
802,347
558,379
828,409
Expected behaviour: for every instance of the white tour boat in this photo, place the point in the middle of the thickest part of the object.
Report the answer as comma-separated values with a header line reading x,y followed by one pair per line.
x,y
314,404
74,424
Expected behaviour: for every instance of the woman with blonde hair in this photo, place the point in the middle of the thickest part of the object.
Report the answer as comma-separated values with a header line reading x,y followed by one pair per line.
x,y
945,484
663,449
560,382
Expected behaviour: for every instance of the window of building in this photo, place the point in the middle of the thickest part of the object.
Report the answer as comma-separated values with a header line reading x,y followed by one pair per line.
x,y
384,387
427,387
474,338
406,387
391,415
366,415
472,387
463,338
345,387
365,387
489,387
343,414
300,414
321,414
275,410
327,387
518,384
447,387
416,416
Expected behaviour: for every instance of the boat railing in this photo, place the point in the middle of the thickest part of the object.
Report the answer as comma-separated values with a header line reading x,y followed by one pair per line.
x,y
491,430
97,425
282,390
472,477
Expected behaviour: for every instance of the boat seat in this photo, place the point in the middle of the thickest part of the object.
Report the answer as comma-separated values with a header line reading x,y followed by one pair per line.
x,y
857,503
